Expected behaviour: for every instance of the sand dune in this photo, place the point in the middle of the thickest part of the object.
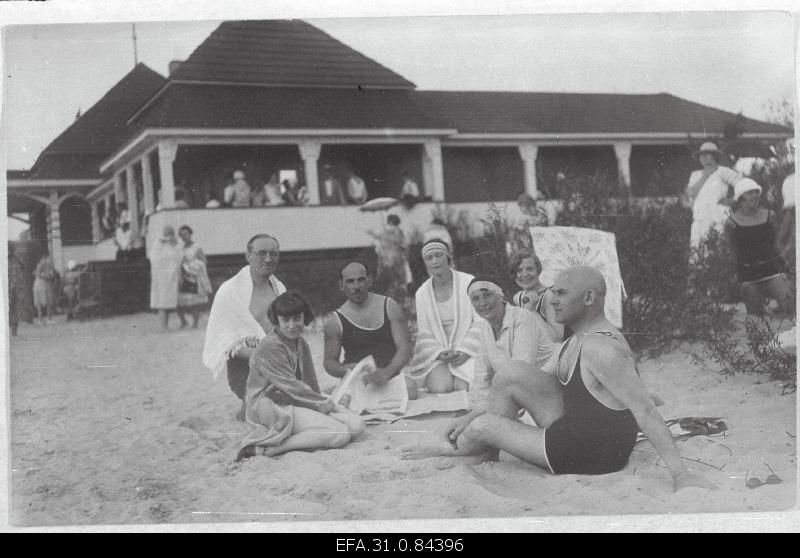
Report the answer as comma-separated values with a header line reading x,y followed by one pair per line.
x,y
112,422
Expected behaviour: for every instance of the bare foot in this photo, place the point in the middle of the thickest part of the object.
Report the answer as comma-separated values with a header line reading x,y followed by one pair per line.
x,y
426,451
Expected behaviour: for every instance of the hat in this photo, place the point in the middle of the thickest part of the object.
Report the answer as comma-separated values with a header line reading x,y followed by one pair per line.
x,y
709,147
72,264
743,186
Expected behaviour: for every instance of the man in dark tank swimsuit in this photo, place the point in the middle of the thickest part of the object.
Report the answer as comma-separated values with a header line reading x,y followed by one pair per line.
x,y
589,409
366,324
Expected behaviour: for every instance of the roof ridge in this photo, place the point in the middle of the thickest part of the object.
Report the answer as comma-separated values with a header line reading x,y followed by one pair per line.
x,y
281,43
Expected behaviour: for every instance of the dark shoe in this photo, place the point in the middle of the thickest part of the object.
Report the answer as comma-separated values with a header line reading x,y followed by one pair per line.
x,y
245,453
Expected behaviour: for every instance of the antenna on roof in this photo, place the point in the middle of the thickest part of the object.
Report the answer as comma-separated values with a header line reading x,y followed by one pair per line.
x,y
135,53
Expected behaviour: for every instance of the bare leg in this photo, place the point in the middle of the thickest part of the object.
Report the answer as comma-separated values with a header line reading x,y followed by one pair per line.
x,y
195,319
413,391
517,386
182,318
459,384
522,386
354,423
778,289
442,447
521,441
752,299
163,318
311,431
439,380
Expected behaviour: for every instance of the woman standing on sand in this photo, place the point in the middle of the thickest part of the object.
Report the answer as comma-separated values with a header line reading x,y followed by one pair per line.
x,y
448,338
195,286
759,267
707,193
44,288
165,273
282,400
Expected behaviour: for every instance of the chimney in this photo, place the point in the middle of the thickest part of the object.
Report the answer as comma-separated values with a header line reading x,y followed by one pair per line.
x,y
174,66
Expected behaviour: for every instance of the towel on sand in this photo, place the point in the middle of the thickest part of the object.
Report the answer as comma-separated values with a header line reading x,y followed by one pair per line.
x,y
231,326
390,402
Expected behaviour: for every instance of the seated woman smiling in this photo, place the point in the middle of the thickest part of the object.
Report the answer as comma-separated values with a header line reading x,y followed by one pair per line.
x,y
282,400
447,337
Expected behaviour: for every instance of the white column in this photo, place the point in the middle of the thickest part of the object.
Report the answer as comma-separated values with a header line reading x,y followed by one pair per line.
x,y
96,234
528,153
309,151
133,202
623,152
433,158
119,196
167,149
54,232
147,185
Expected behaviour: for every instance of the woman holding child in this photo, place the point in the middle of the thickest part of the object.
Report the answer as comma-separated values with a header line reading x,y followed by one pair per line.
x,y
447,338
282,400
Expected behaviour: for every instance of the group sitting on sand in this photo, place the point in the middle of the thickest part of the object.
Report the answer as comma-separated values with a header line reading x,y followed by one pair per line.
x,y
583,392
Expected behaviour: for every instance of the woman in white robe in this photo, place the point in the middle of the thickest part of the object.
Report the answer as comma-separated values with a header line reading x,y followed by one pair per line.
x,y
448,339
707,193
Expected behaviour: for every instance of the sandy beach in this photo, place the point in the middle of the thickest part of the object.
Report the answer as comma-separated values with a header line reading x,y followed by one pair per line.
x,y
113,422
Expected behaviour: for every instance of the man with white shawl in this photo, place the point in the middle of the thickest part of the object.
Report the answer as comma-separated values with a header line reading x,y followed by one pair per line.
x,y
240,306
448,339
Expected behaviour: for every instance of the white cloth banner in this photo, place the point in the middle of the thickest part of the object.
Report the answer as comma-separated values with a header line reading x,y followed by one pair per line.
x,y
560,248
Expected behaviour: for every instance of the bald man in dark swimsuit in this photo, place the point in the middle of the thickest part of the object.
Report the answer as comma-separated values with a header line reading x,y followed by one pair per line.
x,y
589,410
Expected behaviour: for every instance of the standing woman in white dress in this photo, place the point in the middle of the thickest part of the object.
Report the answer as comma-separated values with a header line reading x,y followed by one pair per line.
x,y
707,193
165,273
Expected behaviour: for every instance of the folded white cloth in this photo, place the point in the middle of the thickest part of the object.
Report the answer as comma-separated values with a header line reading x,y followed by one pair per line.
x,y
231,326
392,397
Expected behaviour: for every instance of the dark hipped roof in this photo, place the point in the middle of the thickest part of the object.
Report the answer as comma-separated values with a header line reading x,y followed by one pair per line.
x,y
481,112
579,113
79,150
218,106
282,53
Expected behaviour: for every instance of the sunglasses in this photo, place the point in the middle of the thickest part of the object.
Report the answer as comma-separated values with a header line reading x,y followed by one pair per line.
x,y
755,482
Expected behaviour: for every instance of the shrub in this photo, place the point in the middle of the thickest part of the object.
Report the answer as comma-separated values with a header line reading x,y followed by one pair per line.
x,y
757,352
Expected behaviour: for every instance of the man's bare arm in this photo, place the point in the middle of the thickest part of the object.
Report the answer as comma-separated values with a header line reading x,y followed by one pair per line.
x,y
333,348
613,368
402,341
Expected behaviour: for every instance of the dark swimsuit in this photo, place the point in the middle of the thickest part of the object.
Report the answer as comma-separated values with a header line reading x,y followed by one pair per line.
x,y
358,342
757,259
590,439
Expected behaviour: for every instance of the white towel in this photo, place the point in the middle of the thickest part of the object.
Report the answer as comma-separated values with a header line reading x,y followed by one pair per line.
x,y
431,338
231,326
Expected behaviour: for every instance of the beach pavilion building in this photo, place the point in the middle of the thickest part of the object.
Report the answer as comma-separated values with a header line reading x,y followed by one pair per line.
x,y
285,98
